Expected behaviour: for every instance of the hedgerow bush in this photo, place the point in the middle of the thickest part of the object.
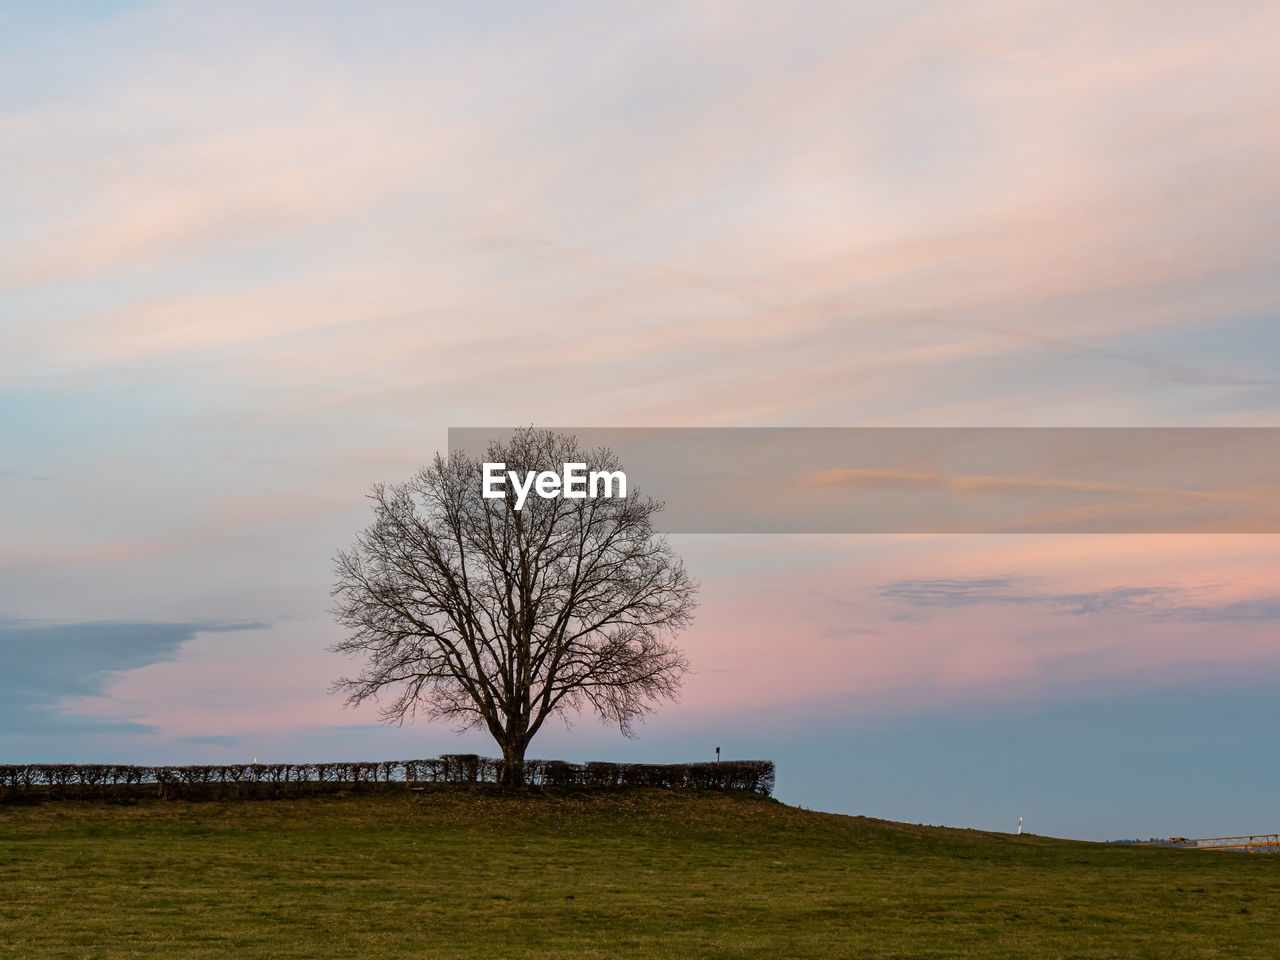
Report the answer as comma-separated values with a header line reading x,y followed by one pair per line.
x,y
245,780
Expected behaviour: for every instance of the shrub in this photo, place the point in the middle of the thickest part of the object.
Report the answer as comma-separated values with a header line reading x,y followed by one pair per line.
x,y
91,781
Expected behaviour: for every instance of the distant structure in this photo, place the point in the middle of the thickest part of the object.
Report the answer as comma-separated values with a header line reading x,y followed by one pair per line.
x,y
1252,843
1019,825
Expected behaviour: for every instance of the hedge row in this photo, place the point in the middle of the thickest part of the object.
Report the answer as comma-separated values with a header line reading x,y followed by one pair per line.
x,y
90,780
755,776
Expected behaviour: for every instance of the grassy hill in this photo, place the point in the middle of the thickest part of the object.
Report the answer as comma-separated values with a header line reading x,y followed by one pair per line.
x,y
459,873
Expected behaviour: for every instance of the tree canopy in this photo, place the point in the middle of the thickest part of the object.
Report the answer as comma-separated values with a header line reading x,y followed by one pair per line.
x,y
466,609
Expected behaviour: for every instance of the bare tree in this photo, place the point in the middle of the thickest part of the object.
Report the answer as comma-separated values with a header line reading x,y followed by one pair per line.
x,y
467,609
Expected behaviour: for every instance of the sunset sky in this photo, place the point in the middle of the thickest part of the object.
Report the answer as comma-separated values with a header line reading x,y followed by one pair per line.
x,y
257,258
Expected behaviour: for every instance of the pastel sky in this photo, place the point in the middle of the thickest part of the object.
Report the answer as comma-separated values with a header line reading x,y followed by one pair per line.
x,y
257,258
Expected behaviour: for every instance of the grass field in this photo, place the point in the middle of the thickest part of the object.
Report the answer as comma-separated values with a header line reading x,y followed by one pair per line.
x,y
459,873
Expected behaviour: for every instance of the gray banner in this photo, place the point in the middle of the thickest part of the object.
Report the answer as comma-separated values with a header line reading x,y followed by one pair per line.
x,y
943,479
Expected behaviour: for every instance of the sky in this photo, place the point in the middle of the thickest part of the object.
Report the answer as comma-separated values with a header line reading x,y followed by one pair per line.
x,y
255,259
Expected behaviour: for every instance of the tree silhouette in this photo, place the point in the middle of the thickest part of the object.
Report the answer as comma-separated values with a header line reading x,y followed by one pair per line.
x,y
469,610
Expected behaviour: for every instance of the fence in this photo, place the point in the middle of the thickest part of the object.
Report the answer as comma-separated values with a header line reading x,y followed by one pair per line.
x,y
266,780
1247,843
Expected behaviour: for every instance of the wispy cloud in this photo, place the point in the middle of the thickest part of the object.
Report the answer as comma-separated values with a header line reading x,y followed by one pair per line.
x,y
853,208
1002,484
1156,602
49,663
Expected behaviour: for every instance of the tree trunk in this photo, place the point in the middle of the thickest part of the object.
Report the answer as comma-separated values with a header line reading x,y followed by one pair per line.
x,y
512,774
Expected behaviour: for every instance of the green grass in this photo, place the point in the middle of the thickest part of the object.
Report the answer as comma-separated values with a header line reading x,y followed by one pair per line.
x,y
625,874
